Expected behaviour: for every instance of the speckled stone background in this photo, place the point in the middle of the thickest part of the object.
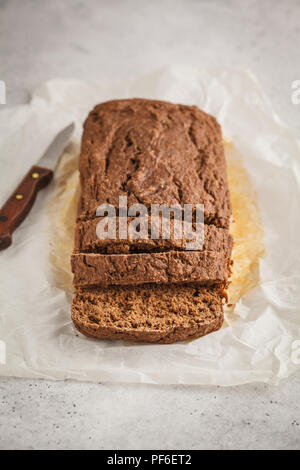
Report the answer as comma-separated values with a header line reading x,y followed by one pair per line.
x,y
110,40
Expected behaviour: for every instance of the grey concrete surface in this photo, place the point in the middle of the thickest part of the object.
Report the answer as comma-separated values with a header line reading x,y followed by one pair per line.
x,y
68,415
104,40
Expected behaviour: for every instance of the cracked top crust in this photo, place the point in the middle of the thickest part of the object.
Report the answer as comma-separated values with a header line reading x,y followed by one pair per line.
x,y
153,152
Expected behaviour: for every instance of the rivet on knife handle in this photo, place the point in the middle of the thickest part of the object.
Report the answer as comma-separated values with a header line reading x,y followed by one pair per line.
x,y
20,202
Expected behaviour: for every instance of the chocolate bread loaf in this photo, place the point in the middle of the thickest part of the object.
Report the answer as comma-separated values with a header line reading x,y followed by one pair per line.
x,y
151,289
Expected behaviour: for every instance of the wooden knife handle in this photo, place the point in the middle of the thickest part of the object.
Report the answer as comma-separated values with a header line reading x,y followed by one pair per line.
x,y
20,202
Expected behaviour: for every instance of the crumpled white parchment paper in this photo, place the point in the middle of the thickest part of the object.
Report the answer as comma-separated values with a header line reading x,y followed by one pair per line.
x,y
263,341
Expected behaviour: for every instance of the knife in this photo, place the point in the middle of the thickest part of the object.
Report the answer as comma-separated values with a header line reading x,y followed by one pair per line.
x,y
21,201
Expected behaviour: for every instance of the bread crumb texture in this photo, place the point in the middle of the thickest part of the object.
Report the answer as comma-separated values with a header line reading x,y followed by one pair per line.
x,y
152,313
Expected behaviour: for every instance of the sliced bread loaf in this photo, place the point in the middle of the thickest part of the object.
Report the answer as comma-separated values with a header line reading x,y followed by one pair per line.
x,y
151,290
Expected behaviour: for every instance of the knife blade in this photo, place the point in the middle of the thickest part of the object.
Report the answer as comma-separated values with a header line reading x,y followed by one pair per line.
x,y
51,156
18,205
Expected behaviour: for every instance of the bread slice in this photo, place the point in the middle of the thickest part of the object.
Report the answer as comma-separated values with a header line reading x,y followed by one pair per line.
x,y
150,313
87,241
203,267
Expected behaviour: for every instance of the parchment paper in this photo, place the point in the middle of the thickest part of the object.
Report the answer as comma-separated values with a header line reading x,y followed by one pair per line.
x,y
261,337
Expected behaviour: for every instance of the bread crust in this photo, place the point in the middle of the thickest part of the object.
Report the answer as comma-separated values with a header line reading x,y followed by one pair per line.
x,y
153,152
163,337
